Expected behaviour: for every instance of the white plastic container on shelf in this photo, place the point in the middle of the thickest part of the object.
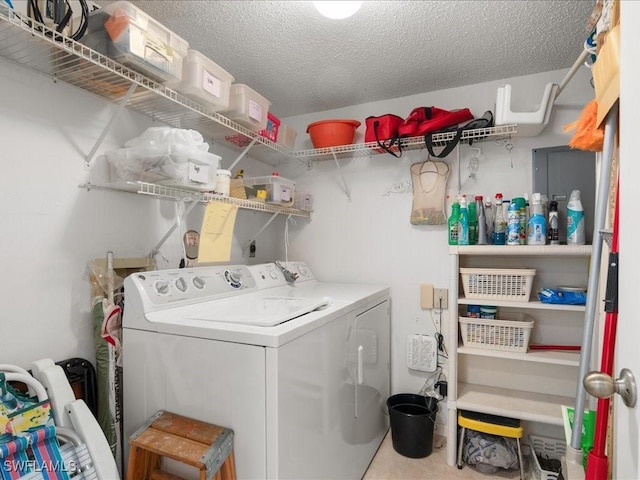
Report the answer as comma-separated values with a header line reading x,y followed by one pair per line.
x,y
125,33
303,201
278,190
171,165
247,107
204,81
510,333
287,136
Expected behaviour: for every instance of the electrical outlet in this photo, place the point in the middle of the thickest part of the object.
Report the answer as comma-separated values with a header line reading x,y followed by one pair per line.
x,y
426,295
440,298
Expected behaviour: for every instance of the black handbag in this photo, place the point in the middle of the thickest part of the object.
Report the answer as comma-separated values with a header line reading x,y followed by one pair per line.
x,y
485,121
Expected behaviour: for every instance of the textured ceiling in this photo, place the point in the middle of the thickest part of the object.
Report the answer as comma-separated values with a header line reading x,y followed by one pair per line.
x,y
303,62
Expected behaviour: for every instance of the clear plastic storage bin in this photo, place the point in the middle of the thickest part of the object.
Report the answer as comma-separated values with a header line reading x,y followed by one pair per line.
x,y
278,190
247,107
287,136
171,165
303,201
125,33
204,82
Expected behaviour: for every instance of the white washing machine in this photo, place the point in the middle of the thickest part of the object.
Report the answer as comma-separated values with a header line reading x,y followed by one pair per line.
x,y
300,372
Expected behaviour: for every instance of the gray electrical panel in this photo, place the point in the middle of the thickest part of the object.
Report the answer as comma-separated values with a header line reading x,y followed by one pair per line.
x,y
557,171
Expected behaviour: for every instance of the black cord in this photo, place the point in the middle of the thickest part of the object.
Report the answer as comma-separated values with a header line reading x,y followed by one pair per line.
x,y
84,20
84,17
440,339
438,335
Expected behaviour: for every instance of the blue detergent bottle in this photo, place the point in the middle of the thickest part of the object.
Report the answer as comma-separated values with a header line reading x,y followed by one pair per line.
x,y
463,228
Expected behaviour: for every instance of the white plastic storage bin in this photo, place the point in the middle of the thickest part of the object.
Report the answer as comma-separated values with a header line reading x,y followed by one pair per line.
x,y
204,82
548,449
278,190
303,201
125,33
172,165
247,107
511,333
497,284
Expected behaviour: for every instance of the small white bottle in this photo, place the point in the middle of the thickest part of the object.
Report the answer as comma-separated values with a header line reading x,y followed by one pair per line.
x,y
537,224
223,183
575,220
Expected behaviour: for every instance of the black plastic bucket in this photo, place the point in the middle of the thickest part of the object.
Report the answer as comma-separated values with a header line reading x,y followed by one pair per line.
x,y
413,418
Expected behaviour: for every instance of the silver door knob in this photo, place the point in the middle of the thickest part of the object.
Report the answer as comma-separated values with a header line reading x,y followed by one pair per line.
x,y
601,385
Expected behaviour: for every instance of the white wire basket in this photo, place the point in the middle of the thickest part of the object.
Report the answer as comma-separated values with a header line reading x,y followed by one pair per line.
x,y
497,283
510,334
548,448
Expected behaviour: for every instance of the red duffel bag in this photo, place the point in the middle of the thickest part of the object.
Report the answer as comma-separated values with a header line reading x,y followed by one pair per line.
x,y
384,131
423,120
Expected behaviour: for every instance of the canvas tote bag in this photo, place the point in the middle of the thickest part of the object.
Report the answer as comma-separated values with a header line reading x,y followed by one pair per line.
x,y
429,182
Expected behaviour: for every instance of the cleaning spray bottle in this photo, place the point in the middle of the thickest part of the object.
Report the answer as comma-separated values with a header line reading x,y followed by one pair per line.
x,y
537,224
553,230
473,223
575,220
454,223
463,227
513,222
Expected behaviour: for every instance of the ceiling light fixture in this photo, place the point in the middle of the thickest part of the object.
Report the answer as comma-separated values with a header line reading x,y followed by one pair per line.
x,y
337,10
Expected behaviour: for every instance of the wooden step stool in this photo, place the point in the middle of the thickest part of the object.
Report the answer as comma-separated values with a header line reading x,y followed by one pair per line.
x,y
207,447
492,425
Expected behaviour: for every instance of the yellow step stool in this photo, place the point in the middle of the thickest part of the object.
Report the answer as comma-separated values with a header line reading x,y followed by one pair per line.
x,y
205,446
492,425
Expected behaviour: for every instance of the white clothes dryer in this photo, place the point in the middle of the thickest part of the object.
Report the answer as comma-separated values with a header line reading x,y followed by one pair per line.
x,y
301,372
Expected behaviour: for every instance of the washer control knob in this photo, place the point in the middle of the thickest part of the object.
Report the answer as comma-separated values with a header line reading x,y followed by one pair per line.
x,y
233,278
162,287
198,282
273,274
302,269
181,284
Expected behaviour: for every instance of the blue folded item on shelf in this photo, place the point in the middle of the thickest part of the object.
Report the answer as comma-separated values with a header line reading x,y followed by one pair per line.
x,y
562,297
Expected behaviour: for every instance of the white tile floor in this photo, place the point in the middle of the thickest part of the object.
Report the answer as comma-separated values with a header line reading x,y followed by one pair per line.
x,y
390,465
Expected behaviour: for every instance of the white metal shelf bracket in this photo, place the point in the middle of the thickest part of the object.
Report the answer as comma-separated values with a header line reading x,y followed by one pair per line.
x,y
344,182
243,153
253,239
155,249
112,121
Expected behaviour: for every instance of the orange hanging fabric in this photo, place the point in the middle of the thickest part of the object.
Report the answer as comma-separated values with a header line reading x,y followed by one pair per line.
x,y
587,135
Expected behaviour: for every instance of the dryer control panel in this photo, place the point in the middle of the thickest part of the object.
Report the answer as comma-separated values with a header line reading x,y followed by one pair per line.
x,y
267,275
301,268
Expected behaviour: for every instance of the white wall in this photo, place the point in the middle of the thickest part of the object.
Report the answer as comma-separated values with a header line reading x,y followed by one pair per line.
x,y
370,239
53,229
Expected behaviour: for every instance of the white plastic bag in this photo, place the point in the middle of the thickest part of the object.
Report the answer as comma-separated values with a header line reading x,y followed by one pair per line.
x,y
162,136
489,453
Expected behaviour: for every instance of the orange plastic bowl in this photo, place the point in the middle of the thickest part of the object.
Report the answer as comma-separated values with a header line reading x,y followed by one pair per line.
x,y
331,133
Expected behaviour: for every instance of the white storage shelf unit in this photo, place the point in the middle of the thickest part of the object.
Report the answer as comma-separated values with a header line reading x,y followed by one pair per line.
x,y
38,48
530,386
